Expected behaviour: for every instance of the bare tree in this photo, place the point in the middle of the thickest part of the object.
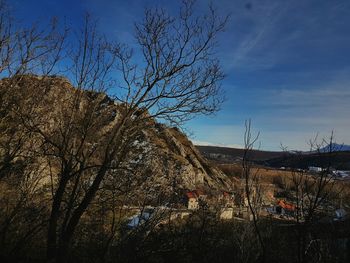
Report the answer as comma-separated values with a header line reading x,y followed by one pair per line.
x,y
81,137
251,180
180,76
23,50
312,193
84,137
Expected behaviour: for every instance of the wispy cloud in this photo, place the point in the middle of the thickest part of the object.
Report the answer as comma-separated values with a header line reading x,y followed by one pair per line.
x,y
287,65
280,32
204,143
219,135
285,59
253,48
291,113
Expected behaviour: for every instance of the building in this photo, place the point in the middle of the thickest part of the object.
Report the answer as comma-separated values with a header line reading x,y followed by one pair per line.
x,y
200,194
227,199
315,169
341,174
226,213
191,200
282,208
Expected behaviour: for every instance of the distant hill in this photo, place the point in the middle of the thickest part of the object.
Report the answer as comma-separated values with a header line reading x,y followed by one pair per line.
x,y
335,147
230,155
340,159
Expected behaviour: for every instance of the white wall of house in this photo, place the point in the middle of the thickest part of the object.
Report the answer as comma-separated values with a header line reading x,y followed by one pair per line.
x,y
315,169
192,203
226,213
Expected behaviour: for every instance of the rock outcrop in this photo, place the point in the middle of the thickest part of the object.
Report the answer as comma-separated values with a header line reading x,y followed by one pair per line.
x,y
165,157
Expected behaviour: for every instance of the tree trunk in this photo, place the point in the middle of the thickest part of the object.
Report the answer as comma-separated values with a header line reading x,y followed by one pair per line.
x,y
51,246
63,247
67,233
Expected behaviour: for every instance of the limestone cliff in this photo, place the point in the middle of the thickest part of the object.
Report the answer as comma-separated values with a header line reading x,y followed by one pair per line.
x,y
163,155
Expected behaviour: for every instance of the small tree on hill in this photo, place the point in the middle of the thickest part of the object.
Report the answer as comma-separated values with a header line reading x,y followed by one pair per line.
x,y
252,186
312,194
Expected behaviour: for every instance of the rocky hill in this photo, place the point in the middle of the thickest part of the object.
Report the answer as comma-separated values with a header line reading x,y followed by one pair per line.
x,y
162,156
176,155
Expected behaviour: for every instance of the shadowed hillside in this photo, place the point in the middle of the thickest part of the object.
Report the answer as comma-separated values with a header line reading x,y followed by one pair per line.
x,y
229,155
338,160
224,155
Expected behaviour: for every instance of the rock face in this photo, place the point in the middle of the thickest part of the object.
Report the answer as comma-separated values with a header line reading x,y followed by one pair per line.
x,y
163,155
181,160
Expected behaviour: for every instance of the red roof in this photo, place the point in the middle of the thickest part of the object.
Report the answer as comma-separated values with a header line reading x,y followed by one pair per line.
x,y
195,193
285,205
191,195
226,194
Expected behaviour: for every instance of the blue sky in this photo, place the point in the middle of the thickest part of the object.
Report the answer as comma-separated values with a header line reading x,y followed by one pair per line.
x,y
287,64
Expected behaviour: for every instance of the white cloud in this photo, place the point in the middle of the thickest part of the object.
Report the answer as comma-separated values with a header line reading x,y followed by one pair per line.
x,y
204,143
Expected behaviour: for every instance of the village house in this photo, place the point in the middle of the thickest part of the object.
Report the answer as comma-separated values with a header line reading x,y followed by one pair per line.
x,y
282,208
194,198
191,200
200,194
315,169
226,213
226,199
341,174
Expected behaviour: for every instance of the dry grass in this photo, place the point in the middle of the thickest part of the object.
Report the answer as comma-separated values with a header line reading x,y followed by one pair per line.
x,y
278,178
